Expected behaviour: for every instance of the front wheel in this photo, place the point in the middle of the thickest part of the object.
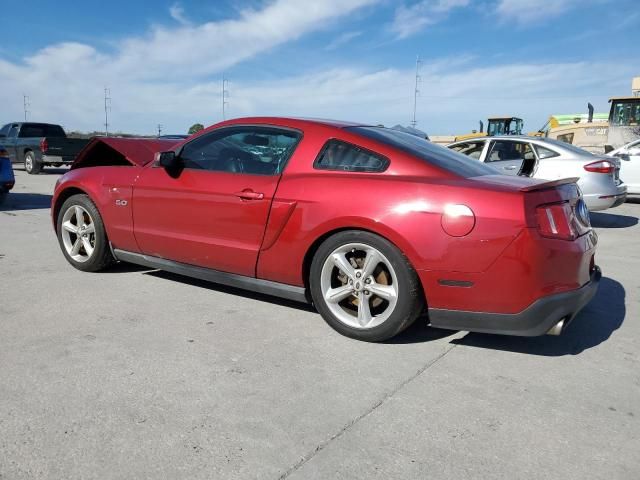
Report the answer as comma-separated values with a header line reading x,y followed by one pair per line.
x,y
82,235
364,287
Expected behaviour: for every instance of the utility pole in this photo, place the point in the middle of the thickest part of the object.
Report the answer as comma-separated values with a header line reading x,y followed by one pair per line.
x,y
107,107
416,91
159,129
225,95
25,103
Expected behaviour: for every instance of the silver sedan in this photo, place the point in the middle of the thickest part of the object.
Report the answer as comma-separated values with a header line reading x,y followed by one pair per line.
x,y
599,175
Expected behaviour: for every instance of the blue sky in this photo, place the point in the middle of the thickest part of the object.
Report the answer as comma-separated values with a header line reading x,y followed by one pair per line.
x,y
347,59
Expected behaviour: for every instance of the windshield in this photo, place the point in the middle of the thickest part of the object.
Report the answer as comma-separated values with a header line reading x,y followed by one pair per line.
x,y
625,112
431,153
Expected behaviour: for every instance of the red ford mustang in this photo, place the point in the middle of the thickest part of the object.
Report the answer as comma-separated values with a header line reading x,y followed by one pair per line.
x,y
372,225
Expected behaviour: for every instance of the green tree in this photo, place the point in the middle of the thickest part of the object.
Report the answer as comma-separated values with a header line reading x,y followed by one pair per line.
x,y
195,128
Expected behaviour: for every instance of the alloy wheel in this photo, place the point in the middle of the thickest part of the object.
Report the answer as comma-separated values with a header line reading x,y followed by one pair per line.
x,y
78,233
359,285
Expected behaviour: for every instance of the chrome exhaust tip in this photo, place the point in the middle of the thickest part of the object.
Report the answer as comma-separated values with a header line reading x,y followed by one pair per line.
x,y
557,328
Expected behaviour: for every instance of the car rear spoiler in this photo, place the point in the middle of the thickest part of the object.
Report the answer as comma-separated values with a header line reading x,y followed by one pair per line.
x,y
544,185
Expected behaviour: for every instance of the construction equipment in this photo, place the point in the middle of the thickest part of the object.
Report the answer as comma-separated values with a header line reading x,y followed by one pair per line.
x,y
496,126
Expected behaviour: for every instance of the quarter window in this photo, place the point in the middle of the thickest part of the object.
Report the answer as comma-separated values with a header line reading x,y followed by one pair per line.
x,y
337,155
249,150
545,152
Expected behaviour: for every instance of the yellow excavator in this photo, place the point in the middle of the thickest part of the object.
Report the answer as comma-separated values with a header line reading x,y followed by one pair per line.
x,y
496,126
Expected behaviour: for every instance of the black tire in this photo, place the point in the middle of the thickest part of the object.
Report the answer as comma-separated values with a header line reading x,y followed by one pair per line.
x,y
410,301
31,164
101,258
3,196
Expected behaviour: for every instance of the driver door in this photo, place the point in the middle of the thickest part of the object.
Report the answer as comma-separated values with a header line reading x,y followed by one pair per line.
x,y
213,211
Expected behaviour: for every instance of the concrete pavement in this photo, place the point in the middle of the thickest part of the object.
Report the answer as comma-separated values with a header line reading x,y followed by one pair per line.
x,y
142,374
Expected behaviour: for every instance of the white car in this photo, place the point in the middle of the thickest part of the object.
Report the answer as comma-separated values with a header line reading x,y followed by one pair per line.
x,y
629,156
598,175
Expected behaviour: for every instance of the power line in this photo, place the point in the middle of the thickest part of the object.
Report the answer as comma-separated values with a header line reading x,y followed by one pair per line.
x,y
225,95
26,105
107,108
159,129
416,91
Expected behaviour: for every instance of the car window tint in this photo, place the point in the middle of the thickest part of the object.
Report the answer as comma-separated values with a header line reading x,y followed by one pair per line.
x,y
337,155
5,130
506,150
41,130
13,131
545,152
250,150
470,149
426,151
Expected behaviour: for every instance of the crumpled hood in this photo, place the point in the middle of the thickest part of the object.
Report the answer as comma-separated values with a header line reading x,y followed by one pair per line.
x,y
114,150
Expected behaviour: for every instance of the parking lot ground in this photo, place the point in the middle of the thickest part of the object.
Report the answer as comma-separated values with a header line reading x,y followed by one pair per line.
x,y
141,374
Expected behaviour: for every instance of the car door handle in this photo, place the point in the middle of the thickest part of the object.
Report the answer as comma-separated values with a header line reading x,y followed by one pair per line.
x,y
249,195
510,167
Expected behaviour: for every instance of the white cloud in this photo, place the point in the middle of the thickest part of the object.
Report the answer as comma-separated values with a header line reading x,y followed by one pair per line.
x,y
534,10
410,20
343,39
177,13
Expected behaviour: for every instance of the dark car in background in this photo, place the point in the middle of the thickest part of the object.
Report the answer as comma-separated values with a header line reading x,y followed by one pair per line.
x,y
37,145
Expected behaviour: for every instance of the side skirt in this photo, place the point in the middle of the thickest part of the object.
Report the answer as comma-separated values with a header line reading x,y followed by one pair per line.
x,y
266,287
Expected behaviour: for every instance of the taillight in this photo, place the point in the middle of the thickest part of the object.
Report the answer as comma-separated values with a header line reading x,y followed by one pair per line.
x,y
601,166
555,221
44,145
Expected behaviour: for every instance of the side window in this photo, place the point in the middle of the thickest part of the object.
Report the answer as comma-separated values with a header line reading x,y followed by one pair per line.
x,y
338,155
249,150
470,149
545,152
5,130
507,150
13,131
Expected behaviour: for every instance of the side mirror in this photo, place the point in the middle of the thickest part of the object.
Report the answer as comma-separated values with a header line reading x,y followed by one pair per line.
x,y
168,160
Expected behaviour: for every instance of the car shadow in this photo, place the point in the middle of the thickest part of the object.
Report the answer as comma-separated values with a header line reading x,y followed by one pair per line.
x,y
612,220
25,201
47,170
420,332
230,290
593,326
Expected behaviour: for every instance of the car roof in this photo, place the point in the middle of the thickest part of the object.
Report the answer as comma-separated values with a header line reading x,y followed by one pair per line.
x,y
311,121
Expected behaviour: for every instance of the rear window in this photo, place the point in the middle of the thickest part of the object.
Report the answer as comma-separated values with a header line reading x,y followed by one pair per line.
x,y
41,130
431,153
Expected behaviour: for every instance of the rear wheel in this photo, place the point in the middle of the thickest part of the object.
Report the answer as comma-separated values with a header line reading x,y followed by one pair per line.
x,y
364,287
31,164
82,236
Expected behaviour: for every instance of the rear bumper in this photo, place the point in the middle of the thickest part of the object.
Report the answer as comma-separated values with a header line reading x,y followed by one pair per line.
x,y
537,319
603,201
57,159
